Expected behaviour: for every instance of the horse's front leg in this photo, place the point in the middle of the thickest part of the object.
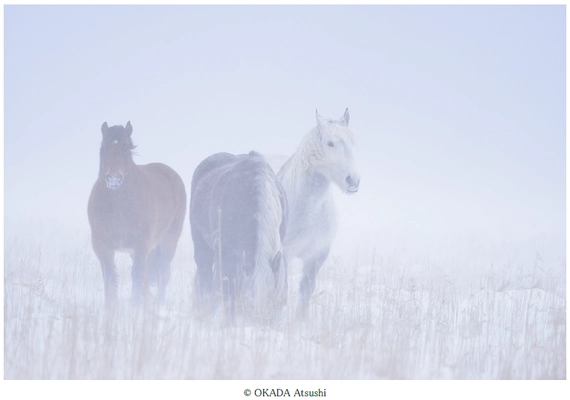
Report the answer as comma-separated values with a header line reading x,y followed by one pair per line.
x,y
311,266
140,277
106,257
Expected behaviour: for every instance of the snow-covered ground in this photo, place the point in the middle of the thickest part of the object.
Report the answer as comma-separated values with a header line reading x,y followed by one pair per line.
x,y
379,312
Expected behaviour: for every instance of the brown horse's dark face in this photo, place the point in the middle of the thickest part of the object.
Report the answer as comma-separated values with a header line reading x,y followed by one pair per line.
x,y
115,157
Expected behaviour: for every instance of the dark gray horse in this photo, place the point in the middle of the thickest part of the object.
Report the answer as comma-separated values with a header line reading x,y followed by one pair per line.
x,y
238,214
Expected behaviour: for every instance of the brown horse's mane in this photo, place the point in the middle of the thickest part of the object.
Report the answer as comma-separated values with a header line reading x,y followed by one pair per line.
x,y
117,132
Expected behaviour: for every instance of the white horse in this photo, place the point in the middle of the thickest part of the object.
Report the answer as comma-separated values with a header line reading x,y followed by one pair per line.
x,y
325,155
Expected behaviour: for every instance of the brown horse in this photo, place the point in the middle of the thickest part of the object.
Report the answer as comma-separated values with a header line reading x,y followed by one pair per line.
x,y
139,209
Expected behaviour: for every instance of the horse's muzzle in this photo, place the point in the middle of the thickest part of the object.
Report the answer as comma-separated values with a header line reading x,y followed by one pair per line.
x,y
353,183
114,182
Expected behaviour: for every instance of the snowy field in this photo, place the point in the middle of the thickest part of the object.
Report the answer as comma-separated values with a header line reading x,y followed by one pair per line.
x,y
379,312
449,263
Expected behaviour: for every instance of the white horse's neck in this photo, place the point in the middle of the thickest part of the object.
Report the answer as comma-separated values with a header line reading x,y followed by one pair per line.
x,y
312,212
302,179
313,183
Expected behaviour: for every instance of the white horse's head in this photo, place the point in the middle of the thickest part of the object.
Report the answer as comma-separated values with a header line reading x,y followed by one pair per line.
x,y
335,157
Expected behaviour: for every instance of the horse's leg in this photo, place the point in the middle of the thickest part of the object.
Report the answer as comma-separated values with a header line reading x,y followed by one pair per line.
x,y
158,271
107,259
162,258
204,280
154,263
230,285
161,268
229,297
140,276
165,254
311,268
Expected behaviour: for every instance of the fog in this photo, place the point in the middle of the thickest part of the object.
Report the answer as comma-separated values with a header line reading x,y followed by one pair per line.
x,y
458,113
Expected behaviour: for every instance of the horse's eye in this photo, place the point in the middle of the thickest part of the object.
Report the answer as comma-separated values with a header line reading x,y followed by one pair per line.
x,y
331,144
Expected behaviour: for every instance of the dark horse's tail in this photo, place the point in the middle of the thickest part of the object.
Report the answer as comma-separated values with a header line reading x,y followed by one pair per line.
x,y
263,254
259,207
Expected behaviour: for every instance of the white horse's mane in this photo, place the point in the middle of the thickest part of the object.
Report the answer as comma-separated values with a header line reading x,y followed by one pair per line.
x,y
310,151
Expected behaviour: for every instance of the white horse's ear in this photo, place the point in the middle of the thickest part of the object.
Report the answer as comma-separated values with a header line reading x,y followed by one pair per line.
x,y
104,128
320,120
345,118
129,128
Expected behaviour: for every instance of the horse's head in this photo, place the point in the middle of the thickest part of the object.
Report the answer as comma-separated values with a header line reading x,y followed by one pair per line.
x,y
336,159
115,154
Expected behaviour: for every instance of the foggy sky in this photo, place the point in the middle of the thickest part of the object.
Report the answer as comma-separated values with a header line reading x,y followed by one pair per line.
x,y
458,111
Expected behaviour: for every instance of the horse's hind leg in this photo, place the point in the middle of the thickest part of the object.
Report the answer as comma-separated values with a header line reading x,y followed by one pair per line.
x,y
230,287
157,276
204,280
311,268
162,257
140,276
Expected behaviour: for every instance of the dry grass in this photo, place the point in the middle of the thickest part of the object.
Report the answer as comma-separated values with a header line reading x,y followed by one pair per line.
x,y
371,317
